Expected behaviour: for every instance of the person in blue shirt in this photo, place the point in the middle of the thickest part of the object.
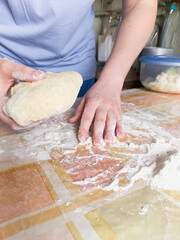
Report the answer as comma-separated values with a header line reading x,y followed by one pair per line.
x,y
58,36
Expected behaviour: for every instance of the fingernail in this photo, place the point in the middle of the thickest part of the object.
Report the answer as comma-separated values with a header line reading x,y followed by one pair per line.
x,y
38,74
120,134
98,142
82,138
108,141
16,128
71,119
18,75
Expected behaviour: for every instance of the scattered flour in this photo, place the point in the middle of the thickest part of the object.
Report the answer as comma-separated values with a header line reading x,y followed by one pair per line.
x,y
42,140
68,203
169,176
144,209
157,162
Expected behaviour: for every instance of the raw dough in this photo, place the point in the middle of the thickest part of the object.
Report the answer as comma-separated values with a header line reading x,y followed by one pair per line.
x,y
44,98
168,82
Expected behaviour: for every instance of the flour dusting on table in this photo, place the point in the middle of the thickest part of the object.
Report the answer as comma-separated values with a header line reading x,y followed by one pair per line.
x,y
155,159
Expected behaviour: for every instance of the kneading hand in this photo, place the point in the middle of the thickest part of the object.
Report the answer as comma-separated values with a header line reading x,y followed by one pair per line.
x,y
10,73
101,106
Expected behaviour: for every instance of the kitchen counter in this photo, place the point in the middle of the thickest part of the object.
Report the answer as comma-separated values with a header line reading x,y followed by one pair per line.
x,y
53,187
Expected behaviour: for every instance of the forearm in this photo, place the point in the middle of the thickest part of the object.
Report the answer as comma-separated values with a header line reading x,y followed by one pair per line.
x,y
134,31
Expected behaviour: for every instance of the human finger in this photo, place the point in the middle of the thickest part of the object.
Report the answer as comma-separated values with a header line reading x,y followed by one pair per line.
x,y
25,74
99,125
14,125
119,128
10,122
110,128
86,121
20,71
78,112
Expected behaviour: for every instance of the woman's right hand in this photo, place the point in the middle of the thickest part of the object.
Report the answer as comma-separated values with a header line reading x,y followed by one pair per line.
x,y
10,73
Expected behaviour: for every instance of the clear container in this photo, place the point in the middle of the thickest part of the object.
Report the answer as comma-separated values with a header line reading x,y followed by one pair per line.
x,y
161,73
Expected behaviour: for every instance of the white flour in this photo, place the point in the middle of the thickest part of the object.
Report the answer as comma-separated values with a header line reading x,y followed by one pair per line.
x,y
43,139
169,176
157,162
144,209
158,166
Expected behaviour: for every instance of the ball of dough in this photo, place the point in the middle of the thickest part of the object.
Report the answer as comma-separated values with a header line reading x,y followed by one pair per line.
x,y
44,98
168,82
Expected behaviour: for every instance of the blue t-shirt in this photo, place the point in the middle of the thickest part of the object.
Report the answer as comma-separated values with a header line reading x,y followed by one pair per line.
x,y
51,35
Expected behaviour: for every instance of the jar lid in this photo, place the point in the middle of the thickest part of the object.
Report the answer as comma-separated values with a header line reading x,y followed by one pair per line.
x,y
168,60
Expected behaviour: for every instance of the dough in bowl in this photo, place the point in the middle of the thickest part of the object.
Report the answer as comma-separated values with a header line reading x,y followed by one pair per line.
x,y
44,98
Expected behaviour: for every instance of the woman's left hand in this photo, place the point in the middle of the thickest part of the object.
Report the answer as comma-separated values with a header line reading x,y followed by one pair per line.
x,y
101,106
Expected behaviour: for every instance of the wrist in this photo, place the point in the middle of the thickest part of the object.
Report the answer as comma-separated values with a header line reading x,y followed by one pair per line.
x,y
113,81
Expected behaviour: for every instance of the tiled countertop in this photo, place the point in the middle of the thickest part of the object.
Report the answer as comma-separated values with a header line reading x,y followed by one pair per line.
x,y
52,187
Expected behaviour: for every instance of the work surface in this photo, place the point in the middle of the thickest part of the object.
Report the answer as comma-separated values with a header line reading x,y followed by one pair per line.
x,y
54,188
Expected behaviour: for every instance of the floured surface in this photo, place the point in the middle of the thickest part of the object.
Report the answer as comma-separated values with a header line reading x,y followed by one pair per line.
x,y
144,214
86,187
